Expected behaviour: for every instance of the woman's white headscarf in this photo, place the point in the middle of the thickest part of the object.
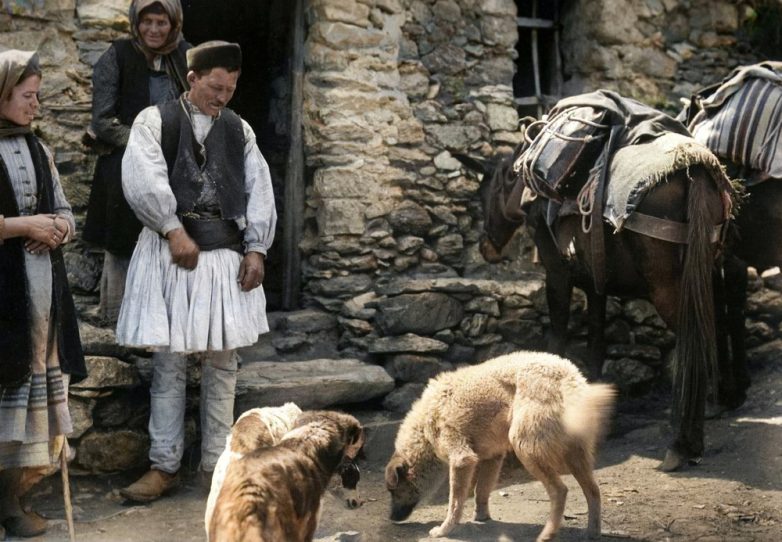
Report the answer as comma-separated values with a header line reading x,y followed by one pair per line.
x,y
173,10
13,64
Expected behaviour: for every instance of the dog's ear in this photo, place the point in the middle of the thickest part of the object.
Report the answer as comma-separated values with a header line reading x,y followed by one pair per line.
x,y
395,470
355,439
356,435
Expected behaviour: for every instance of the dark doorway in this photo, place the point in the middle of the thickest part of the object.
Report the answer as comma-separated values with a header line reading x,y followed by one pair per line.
x,y
263,29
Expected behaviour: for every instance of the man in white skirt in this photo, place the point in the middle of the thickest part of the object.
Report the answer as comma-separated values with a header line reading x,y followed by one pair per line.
x,y
194,177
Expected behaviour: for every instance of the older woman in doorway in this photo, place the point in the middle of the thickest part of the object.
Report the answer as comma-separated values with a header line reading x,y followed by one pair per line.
x,y
146,69
39,335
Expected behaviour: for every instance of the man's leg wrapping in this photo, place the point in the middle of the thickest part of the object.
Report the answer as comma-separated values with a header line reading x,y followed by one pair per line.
x,y
218,385
167,411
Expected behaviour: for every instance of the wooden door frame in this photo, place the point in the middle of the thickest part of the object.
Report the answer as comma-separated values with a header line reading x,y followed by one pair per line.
x,y
293,218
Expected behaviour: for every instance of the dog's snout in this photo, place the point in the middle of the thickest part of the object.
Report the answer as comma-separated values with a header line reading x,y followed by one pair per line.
x,y
350,475
401,512
353,503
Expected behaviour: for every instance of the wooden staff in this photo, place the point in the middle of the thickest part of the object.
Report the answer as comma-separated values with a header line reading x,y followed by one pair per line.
x,y
66,488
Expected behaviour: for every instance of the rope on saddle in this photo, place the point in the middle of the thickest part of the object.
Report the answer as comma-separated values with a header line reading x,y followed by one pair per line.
x,y
555,147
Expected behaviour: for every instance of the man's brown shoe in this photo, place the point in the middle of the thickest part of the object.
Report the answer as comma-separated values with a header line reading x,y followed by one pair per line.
x,y
151,486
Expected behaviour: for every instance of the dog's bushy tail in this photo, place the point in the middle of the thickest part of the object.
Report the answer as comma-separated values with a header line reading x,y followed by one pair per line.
x,y
555,411
586,416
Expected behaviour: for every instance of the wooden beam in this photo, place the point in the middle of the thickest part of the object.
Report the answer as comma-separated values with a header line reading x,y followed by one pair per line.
x,y
558,82
526,100
536,59
534,22
293,217
545,99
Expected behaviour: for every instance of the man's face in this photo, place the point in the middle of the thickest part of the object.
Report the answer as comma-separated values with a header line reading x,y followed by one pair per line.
x,y
211,92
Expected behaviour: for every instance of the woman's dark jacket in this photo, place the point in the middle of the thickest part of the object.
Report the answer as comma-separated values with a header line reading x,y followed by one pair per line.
x,y
121,89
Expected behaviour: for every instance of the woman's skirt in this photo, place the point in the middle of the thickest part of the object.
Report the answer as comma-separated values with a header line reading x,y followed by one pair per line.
x,y
33,414
167,307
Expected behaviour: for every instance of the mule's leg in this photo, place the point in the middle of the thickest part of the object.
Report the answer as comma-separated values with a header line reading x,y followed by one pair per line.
x,y
596,314
736,302
559,289
581,469
461,471
689,422
725,377
664,292
486,475
557,492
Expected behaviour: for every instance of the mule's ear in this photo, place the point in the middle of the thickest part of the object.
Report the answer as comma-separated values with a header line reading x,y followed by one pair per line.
x,y
479,165
395,470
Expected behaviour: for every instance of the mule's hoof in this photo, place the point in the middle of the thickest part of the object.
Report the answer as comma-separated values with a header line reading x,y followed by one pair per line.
x,y
714,411
673,461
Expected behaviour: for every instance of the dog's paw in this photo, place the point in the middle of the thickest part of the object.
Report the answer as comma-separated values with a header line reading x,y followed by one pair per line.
x,y
481,516
437,532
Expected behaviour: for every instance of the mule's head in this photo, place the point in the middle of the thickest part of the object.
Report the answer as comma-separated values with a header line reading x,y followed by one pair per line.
x,y
495,187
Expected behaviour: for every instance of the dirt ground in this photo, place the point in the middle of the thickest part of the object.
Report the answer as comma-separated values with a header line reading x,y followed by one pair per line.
x,y
735,494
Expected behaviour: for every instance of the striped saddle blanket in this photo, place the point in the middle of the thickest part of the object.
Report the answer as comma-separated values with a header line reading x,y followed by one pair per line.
x,y
746,128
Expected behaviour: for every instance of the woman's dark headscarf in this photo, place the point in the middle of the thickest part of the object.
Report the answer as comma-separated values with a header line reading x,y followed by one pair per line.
x,y
13,65
173,9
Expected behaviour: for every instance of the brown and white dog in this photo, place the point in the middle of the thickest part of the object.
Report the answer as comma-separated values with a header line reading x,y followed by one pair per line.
x,y
273,494
257,428
536,405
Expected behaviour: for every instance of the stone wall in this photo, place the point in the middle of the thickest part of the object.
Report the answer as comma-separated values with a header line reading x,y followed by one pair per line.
x,y
657,51
391,88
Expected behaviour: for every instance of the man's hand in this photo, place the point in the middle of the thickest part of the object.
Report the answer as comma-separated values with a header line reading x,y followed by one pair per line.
x,y
251,271
184,251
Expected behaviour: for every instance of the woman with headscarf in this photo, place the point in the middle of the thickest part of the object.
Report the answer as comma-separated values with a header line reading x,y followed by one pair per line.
x,y
146,69
39,336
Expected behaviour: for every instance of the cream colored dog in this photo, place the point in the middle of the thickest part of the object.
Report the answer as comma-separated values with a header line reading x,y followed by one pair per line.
x,y
536,405
255,429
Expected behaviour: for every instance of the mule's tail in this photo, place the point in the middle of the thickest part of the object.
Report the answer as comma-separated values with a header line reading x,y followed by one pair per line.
x,y
695,360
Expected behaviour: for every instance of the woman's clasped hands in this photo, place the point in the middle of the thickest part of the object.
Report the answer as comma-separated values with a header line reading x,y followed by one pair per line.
x,y
45,232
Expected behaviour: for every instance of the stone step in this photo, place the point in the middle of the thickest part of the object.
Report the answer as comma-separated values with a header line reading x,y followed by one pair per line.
x,y
316,383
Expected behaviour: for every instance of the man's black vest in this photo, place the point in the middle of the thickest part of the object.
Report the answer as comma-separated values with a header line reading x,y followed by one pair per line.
x,y
16,348
223,161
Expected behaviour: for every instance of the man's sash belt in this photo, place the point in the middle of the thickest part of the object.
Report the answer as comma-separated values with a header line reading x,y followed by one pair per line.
x,y
213,233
